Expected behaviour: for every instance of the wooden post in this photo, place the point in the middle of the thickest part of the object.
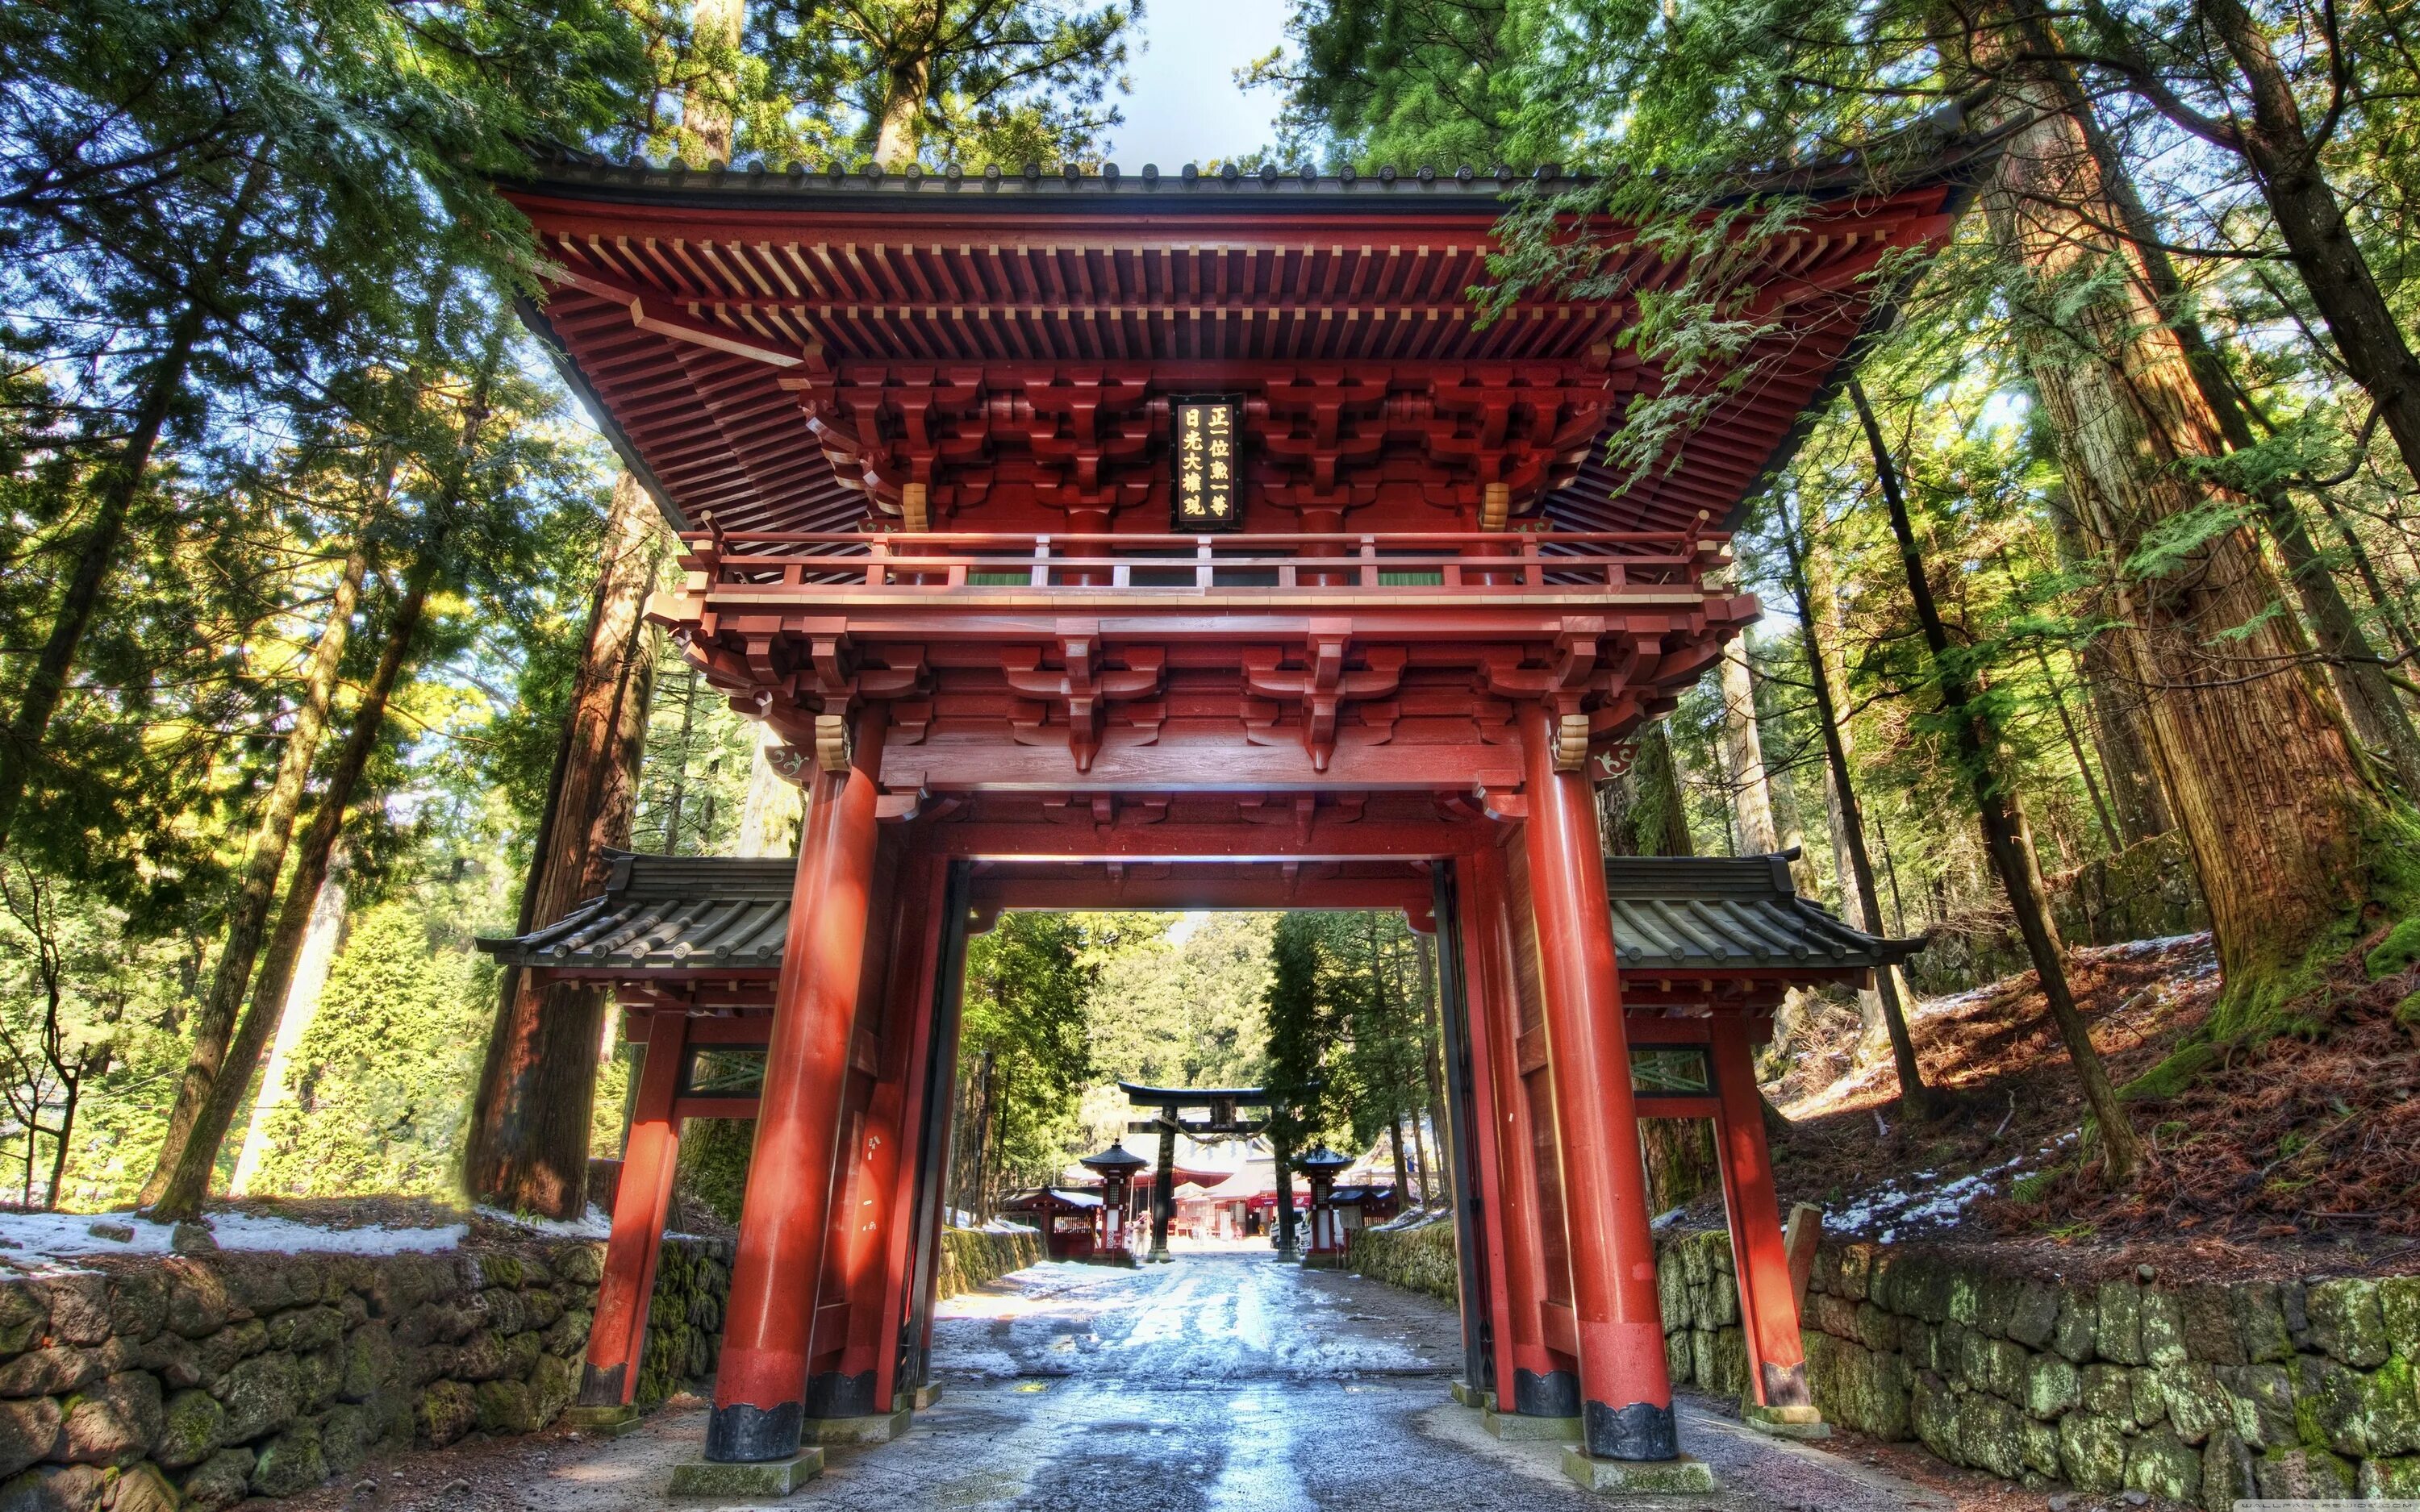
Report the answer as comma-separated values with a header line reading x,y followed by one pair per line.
x,y
925,885
1531,1379
759,1398
617,1338
1163,1186
1625,1393
1802,1236
1768,1315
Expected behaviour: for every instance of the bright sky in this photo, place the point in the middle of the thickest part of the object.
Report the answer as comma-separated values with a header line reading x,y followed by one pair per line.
x,y
1185,107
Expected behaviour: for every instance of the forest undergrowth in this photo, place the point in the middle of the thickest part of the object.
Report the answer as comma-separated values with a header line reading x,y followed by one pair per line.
x,y
2281,1144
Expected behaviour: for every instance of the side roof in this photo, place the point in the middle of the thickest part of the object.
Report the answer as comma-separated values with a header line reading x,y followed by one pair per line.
x,y
682,915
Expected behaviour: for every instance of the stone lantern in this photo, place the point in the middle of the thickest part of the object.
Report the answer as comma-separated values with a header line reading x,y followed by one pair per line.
x,y
1115,1166
1327,1247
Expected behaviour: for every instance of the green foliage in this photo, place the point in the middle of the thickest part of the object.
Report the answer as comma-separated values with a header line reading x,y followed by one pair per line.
x,y
1026,985
382,1077
2396,952
962,82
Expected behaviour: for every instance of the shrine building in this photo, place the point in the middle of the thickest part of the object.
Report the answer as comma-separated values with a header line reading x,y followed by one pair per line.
x,y
1101,540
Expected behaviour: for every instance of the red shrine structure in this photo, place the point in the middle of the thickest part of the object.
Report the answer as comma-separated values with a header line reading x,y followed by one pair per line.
x,y
1098,540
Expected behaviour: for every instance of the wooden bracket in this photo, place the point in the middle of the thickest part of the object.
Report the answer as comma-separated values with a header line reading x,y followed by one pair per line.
x,y
832,742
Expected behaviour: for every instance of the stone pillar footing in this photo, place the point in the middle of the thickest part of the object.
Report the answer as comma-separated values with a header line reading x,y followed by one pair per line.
x,y
874,1428
1520,1426
1470,1396
1785,1422
742,1480
1681,1475
917,1399
604,1422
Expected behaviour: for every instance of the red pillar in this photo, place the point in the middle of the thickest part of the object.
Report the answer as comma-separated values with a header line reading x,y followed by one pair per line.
x,y
618,1337
925,885
1531,1379
1625,1395
761,1384
1768,1309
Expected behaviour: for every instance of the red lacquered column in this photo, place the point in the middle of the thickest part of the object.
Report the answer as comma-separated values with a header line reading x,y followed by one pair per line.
x,y
1768,1307
1625,1395
619,1338
1530,1379
761,1384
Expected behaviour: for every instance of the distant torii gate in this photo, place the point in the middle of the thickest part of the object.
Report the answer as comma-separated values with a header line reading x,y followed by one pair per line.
x,y
1224,1105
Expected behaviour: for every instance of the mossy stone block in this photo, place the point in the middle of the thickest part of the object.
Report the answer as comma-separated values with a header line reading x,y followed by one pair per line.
x,y
2197,1404
2118,1334
2092,1450
2033,1316
2078,1323
289,1463
2390,1480
2052,1387
2161,1464
2260,1323
2347,1322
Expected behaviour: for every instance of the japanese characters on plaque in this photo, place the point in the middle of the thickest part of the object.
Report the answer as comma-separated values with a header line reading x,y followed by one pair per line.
x,y
1209,456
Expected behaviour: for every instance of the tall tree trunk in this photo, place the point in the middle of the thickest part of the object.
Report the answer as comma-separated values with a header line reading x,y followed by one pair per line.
x,y
528,1145
1751,803
2378,716
1431,1059
320,939
2003,832
903,115
264,859
771,814
1916,1100
114,486
2274,797
189,1183
1641,813
2310,220
716,28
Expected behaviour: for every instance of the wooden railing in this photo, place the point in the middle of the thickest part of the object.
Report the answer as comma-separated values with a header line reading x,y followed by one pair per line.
x,y
1460,563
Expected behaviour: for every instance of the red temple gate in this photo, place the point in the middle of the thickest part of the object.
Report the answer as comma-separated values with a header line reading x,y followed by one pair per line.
x,y
928,437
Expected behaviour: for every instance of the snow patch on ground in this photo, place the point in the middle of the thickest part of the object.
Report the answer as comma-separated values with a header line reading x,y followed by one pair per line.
x,y
50,1236
1922,1202
594,1223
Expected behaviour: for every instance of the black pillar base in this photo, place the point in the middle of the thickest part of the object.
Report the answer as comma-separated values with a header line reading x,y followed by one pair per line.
x,y
741,1434
1641,1431
1555,1393
833,1395
600,1388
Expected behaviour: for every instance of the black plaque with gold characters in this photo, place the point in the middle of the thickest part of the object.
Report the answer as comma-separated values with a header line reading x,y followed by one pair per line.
x,y
1209,454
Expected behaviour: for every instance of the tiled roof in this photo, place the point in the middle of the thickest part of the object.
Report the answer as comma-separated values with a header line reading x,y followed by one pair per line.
x,y
668,913
684,912
1699,912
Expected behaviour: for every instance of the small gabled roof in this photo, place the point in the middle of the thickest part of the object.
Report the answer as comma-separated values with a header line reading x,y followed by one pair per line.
x,y
1700,912
668,913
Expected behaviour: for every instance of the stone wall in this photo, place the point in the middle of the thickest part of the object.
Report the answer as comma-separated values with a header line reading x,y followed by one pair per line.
x,y
1419,1258
971,1256
137,1385
2200,1394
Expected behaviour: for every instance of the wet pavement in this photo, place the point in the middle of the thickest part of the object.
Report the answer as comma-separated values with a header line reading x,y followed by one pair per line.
x,y
1221,1383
